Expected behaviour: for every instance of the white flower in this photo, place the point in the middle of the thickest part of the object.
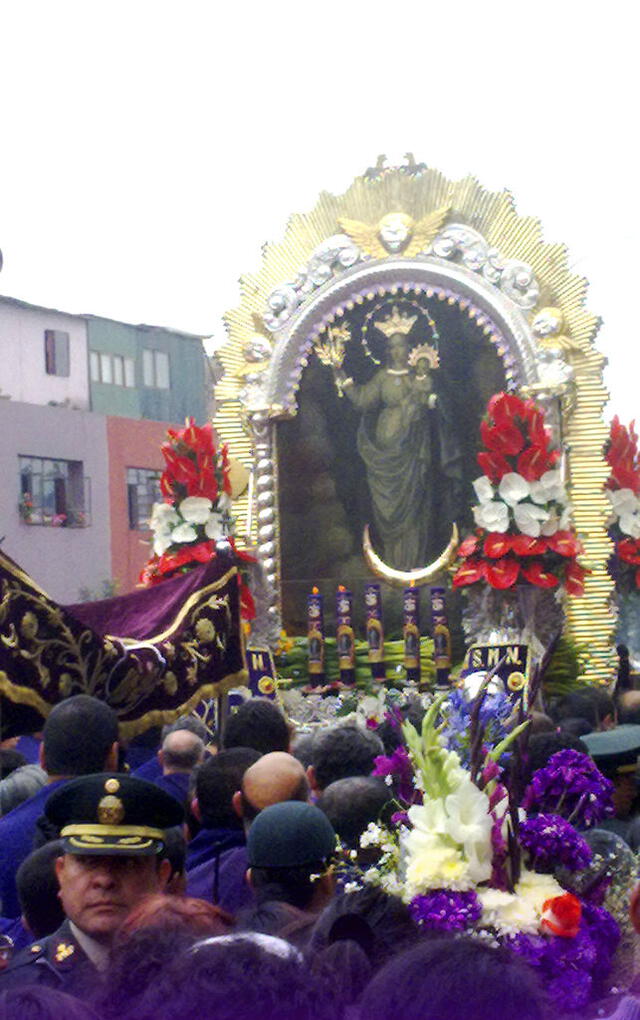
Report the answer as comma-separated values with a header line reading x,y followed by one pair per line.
x,y
163,515
565,518
350,887
372,836
630,524
492,516
529,518
535,890
224,501
469,823
195,509
623,501
213,526
434,864
507,912
551,525
161,542
548,488
513,488
184,533
483,489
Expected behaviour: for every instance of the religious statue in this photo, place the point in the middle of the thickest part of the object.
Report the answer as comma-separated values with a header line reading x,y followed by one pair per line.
x,y
400,439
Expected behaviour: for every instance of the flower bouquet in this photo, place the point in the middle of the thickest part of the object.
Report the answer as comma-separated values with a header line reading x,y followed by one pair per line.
x,y
523,516
468,858
195,513
623,492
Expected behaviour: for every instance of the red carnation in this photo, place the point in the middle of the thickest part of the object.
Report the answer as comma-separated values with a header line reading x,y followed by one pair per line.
x,y
561,916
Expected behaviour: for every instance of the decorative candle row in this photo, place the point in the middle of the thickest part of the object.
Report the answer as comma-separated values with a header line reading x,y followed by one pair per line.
x,y
375,634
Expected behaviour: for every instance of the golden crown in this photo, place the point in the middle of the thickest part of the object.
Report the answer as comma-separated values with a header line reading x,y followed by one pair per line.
x,y
424,351
396,323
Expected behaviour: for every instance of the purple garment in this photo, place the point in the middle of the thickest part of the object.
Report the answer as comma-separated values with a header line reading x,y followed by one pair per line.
x,y
177,784
151,770
16,931
234,892
17,830
211,842
29,746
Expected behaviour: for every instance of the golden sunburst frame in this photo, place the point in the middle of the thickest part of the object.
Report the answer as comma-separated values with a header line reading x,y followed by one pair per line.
x,y
397,230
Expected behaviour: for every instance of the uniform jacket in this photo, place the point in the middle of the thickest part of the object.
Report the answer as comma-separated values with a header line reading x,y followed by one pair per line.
x,y
56,961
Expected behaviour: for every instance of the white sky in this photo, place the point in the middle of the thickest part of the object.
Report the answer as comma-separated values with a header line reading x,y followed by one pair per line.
x,y
148,149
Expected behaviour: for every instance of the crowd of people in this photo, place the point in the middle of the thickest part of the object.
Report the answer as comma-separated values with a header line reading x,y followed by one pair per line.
x,y
191,874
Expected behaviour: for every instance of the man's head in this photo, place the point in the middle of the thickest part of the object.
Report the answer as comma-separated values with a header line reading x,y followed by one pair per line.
x,y
258,723
217,780
181,751
616,752
629,707
350,804
343,751
290,848
112,829
38,890
273,778
80,737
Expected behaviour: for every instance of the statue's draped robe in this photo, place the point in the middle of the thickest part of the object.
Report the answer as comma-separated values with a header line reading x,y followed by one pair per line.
x,y
395,443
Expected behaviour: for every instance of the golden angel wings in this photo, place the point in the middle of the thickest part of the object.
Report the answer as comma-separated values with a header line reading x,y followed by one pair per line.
x,y
397,233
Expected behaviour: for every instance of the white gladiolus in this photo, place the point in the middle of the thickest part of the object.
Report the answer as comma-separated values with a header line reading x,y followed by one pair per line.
x,y
195,509
548,488
513,488
483,489
184,533
529,518
493,516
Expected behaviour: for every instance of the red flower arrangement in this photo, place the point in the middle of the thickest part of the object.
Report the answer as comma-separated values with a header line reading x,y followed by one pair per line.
x,y
623,491
195,514
524,531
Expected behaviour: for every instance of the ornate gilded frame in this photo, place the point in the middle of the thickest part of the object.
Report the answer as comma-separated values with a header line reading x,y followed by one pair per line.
x,y
483,255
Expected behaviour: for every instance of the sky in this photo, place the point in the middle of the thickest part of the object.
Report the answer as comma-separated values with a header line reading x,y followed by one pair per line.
x,y
149,149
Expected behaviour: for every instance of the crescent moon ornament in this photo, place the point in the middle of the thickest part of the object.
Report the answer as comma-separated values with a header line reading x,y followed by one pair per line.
x,y
407,578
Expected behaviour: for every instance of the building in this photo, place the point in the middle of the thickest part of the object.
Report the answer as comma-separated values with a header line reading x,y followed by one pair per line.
x,y
84,407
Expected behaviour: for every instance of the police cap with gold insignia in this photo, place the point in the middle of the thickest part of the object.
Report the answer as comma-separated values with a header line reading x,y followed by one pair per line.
x,y
615,751
112,813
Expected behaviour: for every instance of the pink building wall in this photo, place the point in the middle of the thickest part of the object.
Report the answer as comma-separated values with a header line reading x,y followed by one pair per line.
x,y
131,444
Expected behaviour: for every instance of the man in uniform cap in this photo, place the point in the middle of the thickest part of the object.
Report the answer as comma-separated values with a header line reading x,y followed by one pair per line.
x,y
615,752
112,828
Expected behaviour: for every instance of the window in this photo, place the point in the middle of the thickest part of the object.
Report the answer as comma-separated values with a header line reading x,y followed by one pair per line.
x,y
113,369
56,352
94,366
143,490
54,492
155,369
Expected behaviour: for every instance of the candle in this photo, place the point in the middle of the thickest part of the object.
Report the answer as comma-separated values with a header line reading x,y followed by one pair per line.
x,y
441,637
411,633
344,636
375,632
315,635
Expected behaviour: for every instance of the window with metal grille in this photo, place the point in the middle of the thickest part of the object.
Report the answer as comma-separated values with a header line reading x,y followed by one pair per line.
x,y
54,492
143,490
56,352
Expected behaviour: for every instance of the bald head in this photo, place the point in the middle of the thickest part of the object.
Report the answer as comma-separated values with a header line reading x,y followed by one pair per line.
x,y
275,777
629,707
181,751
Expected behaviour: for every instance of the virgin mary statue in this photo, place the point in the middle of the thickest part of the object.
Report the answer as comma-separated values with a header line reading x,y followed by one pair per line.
x,y
406,446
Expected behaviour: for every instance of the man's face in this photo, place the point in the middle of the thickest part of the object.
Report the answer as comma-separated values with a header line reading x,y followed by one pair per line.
x,y
97,893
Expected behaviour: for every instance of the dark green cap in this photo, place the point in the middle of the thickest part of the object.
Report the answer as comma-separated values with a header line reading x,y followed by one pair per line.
x,y
615,751
290,835
112,813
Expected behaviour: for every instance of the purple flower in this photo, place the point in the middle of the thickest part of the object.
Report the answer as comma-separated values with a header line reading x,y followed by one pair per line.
x,y
570,785
399,766
568,966
551,841
446,910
